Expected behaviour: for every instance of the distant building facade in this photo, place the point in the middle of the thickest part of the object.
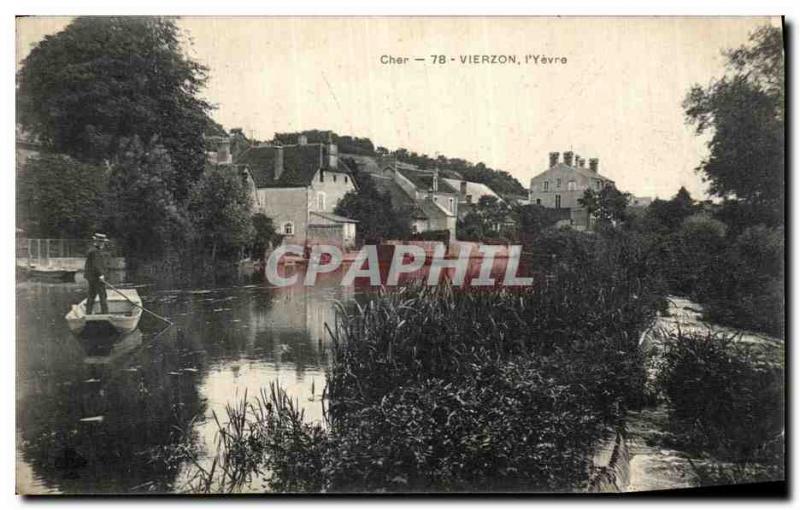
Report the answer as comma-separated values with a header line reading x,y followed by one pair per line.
x,y
298,187
469,194
563,184
424,194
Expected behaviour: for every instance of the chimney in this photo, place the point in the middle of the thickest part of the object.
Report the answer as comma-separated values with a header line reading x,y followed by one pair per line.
x,y
302,140
435,180
278,162
581,163
224,151
568,158
333,155
593,164
553,159
463,188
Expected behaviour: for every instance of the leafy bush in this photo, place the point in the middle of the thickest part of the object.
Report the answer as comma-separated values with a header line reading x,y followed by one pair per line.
x,y
726,399
430,235
60,197
747,289
427,391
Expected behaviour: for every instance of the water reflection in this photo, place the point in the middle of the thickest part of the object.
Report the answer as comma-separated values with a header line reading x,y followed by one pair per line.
x,y
120,419
94,420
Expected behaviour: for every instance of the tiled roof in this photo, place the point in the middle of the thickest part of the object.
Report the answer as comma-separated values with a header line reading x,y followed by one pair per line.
x,y
400,199
476,189
433,210
261,162
424,180
300,164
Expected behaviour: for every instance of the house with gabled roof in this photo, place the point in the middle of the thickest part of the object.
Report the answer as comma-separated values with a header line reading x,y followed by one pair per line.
x,y
563,184
431,202
299,186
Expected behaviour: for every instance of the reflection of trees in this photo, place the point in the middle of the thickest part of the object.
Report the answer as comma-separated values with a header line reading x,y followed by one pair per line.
x,y
145,402
145,396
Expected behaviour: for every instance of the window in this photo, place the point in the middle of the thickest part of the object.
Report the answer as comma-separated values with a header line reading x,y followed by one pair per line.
x,y
558,183
469,199
288,228
321,201
345,179
538,201
334,177
558,201
546,186
571,186
597,184
452,204
435,198
321,176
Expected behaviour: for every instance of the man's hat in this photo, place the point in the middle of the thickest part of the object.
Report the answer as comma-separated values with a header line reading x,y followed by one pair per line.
x,y
100,237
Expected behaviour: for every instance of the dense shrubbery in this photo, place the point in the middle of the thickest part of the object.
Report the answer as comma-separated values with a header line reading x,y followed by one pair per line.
x,y
727,401
713,255
428,391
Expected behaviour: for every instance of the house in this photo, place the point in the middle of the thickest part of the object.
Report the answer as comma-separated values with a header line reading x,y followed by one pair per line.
x,y
563,184
469,193
298,186
430,200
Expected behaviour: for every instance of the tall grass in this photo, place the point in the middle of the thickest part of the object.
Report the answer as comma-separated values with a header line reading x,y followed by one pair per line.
x,y
726,399
438,389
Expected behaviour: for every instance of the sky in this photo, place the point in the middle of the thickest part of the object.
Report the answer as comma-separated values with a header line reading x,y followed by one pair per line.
x,y
617,98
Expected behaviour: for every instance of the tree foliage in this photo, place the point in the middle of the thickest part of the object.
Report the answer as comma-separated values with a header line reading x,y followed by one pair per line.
x,y
486,220
60,197
219,205
141,212
668,215
608,206
744,114
378,218
264,233
104,79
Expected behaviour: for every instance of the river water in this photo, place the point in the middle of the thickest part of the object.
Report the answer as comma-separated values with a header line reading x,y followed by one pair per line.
x,y
120,417
96,420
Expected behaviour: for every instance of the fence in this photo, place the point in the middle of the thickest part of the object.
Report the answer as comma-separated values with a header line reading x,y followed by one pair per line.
x,y
38,250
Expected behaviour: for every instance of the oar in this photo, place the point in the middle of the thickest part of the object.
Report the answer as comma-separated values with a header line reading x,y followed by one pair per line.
x,y
134,303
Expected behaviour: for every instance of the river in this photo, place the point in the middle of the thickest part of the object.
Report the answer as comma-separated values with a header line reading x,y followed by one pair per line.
x,y
94,420
126,419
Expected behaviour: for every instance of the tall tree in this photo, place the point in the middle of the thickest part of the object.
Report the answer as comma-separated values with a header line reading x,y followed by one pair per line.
x,y
744,112
377,217
608,205
58,196
219,205
141,212
103,79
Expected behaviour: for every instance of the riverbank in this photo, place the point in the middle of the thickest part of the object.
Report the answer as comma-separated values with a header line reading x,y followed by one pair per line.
x,y
648,456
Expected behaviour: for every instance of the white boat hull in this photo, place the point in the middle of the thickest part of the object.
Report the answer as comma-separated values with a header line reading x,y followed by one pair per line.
x,y
123,315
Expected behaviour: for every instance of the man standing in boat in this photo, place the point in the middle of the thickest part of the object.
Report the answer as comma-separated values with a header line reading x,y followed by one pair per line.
x,y
94,271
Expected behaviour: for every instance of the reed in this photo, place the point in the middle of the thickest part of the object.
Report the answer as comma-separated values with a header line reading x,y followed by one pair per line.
x,y
439,389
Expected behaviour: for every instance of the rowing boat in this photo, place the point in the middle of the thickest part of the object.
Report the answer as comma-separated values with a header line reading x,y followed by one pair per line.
x,y
124,312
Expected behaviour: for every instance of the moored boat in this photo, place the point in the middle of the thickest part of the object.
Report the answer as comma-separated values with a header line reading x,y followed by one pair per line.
x,y
47,273
124,312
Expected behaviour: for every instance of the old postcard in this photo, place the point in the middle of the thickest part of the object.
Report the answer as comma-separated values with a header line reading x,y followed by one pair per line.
x,y
325,255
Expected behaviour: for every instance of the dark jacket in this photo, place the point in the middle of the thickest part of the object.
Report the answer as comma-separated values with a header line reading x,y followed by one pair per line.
x,y
95,264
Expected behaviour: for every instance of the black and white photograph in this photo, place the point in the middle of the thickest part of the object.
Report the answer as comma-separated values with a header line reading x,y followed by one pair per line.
x,y
391,255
